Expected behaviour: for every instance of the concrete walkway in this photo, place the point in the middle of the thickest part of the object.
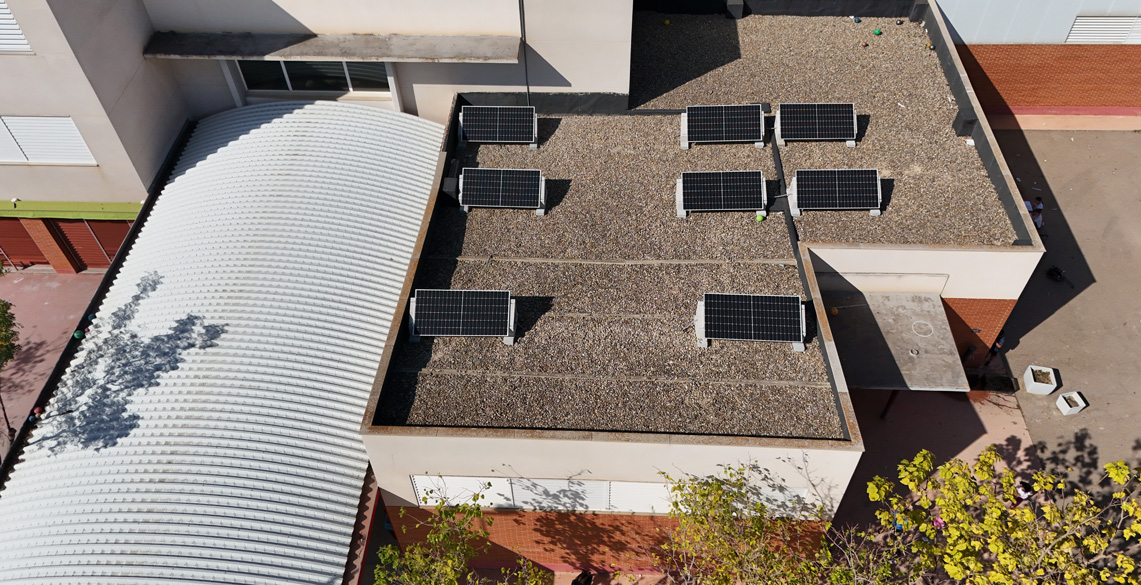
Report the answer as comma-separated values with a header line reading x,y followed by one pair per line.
x,y
48,306
1090,183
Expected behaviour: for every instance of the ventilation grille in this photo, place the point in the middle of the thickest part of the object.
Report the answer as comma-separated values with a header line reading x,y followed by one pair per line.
x,y
11,37
1105,29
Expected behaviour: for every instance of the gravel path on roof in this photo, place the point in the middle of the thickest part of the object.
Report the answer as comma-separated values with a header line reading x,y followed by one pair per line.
x,y
605,405
611,183
941,193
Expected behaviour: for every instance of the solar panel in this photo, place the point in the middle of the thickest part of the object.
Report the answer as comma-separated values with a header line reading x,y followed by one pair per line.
x,y
816,122
502,188
499,123
462,313
835,189
737,317
721,191
742,123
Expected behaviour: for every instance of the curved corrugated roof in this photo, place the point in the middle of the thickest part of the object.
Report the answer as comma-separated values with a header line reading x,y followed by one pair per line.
x,y
207,430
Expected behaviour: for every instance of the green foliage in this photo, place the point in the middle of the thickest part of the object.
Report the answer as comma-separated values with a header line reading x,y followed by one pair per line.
x,y
727,533
969,522
456,534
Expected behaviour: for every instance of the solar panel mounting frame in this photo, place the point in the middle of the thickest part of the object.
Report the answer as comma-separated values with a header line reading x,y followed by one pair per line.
x,y
534,139
794,198
539,210
686,141
781,139
679,195
699,322
414,334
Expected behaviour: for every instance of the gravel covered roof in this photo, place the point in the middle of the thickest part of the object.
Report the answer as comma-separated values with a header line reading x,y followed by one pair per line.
x,y
606,285
940,192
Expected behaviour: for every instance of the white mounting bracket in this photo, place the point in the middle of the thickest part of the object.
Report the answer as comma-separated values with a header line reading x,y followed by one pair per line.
x,y
850,143
510,339
792,208
776,131
542,210
412,336
699,325
681,212
684,132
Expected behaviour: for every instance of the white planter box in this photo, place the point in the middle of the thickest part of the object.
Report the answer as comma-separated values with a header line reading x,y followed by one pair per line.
x,y
1071,403
1038,387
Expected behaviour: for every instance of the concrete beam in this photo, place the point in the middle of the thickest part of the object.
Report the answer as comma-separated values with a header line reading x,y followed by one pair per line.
x,y
312,47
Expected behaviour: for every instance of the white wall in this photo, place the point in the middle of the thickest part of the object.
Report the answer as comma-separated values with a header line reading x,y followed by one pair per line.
x,y
52,82
579,47
395,458
1016,22
139,95
968,273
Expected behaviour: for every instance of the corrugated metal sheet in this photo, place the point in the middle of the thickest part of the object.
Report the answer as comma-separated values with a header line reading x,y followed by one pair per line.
x,y
1105,29
18,245
207,429
11,37
49,139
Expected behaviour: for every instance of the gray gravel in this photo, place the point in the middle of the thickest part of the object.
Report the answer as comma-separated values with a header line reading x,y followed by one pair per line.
x,y
941,192
611,347
612,180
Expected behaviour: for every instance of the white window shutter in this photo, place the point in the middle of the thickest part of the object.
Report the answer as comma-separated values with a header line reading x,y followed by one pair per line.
x,y
641,498
11,37
561,494
458,490
1105,30
9,150
49,139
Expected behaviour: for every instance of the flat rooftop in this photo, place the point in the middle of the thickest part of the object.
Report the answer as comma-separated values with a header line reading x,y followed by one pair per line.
x,y
939,190
606,286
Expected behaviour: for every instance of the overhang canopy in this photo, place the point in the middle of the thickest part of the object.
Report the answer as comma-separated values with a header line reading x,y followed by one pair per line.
x,y
895,341
314,47
206,431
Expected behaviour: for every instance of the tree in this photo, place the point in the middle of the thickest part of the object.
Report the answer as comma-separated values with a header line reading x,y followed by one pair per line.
x,y
9,345
455,535
729,531
972,523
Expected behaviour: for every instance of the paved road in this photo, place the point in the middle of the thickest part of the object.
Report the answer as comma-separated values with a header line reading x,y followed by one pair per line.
x,y
1091,185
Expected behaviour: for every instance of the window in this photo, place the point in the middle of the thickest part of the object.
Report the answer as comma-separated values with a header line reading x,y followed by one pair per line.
x,y
42,139
11,37
1105,29
330,76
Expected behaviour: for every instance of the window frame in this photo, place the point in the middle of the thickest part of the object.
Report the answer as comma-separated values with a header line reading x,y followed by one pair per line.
x,y
388,69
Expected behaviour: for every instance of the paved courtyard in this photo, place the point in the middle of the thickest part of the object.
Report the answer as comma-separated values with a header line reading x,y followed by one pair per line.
x,y
47,306
1090,183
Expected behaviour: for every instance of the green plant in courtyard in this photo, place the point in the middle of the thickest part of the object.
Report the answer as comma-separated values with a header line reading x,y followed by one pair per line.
x,y
9,345
455,535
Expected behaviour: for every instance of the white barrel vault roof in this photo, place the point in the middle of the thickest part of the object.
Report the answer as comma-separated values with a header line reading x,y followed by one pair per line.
x,y
207,430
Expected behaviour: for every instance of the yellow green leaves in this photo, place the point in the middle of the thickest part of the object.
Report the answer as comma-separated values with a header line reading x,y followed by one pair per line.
x,y
1118,471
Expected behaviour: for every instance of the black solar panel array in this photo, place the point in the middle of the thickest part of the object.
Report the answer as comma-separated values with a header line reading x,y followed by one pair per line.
x,y
473,313
743,123
817,121
501,188
723,191
753,317
838,189
498,123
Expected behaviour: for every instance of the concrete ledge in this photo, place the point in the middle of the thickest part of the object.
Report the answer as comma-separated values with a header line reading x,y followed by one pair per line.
x,y
1063,122
310,47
